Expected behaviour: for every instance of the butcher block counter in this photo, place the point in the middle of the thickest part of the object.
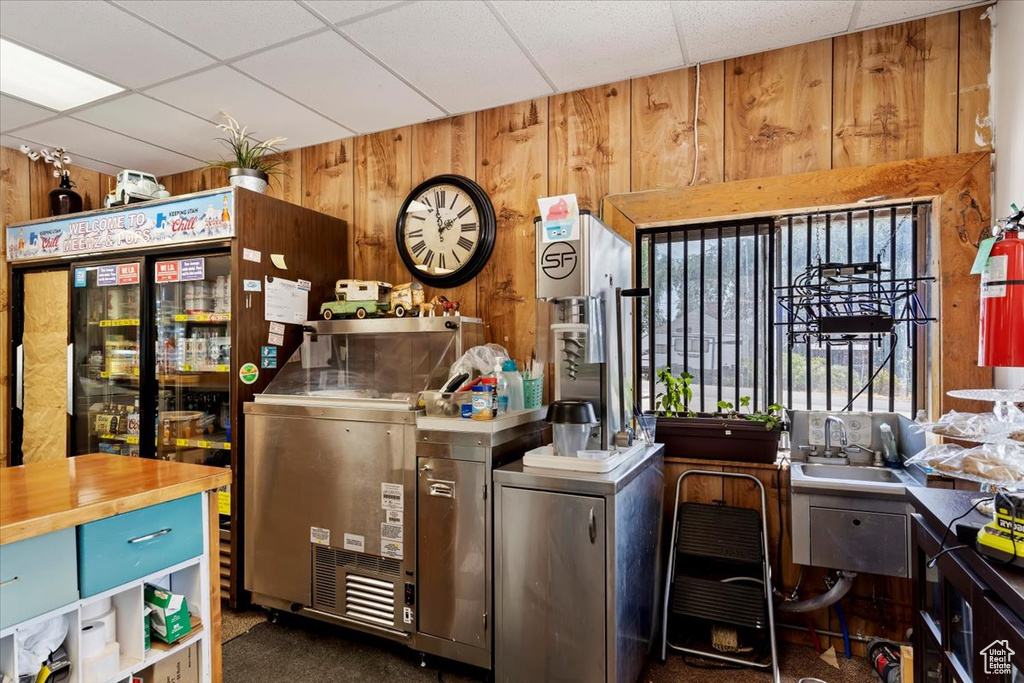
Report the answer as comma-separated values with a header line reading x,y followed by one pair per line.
x,y
80,531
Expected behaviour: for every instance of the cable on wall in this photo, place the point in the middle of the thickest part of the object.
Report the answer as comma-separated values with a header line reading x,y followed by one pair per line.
x,y
696,112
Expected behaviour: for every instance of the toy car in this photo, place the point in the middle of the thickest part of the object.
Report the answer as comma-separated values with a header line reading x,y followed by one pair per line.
x,y
358,298
135,185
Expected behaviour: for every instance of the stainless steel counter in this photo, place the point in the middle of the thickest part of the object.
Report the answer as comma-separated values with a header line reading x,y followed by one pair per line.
x,y
608,483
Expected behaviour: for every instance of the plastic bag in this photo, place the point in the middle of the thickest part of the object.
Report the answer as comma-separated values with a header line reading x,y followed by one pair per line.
x,y
479,360
35,643
940,457
994,464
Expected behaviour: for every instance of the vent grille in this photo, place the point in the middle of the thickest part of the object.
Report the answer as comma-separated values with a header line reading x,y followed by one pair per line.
x,y
325,578
370,600
385,566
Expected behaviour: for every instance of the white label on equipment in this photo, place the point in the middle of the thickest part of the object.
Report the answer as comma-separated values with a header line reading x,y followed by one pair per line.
x,y
392,496
392,549
407,615
252,255
390,532
319,536
354,542
995,271
394,516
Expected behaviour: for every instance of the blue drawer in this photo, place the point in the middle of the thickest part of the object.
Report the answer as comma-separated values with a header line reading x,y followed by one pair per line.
x,y
37,575
126,547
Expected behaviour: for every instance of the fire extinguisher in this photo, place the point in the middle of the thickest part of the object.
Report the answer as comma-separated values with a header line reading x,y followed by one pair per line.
x,y
1001,341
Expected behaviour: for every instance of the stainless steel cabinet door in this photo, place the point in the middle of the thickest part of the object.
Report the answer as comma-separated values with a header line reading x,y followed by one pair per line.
x,y
551,615
452,552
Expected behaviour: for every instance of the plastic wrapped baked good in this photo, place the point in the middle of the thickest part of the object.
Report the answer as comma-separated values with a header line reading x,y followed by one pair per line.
x,y
994,463
940,457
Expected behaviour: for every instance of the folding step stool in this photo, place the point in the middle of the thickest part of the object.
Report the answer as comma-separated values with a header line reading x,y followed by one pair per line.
x,y
729,535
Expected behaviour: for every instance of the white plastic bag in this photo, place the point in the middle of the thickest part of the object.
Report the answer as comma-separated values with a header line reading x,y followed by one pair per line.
x,y
35,643
479,360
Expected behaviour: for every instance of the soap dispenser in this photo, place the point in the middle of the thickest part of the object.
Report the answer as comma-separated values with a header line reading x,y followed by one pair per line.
x,y
892,458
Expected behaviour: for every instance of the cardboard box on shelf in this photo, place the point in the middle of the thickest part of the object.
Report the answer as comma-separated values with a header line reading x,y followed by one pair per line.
x,y
181,667
168,618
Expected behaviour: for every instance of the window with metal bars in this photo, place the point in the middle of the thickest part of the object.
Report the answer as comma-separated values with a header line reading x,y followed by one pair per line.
x,y
715,311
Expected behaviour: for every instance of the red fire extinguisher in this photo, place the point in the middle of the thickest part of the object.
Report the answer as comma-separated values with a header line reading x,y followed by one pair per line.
x,y
1002,300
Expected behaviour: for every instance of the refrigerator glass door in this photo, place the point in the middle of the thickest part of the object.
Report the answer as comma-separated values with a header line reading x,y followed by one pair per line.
x,y
193,359
106,357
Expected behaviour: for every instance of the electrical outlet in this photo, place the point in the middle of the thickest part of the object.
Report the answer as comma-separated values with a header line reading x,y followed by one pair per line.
x,y
858,428
407,615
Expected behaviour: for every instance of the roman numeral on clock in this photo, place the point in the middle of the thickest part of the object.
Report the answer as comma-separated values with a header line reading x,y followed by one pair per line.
x,y
454,199
440,260
465,243
418,232
428,260
419,247
419,218
468,227
465,211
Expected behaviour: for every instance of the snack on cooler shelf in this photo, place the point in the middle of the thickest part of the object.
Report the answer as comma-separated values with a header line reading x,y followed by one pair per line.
x,y
1017,435
995,463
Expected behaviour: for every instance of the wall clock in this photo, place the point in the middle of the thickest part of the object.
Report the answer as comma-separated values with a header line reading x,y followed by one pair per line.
x,y
445,230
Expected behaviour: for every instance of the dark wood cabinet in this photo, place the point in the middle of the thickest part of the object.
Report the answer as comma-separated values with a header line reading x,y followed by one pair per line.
x,y
969,622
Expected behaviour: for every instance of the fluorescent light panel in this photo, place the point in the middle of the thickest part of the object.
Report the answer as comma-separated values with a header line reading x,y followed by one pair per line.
x,y
33,77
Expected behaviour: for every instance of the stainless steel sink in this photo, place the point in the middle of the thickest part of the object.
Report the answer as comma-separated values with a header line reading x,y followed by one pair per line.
x,y
848,472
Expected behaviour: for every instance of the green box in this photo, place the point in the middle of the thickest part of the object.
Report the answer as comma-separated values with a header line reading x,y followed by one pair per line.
x,y
169,619
145,629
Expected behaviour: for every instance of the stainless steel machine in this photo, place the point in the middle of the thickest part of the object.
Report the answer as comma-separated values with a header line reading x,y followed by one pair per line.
x,y
331,470
578,279
576,553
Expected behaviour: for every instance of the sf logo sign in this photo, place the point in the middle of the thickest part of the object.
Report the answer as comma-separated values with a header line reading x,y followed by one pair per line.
x,y
559,260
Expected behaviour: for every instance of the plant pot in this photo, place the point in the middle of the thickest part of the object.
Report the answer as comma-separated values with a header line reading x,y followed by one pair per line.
x,y
717,438
249,178
63,199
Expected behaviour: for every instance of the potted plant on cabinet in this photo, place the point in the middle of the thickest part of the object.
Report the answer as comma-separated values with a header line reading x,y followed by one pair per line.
x,y
724,435
251,162
63,198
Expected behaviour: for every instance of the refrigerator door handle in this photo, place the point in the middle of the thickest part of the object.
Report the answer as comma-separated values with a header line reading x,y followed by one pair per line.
x,y
19,376
71,379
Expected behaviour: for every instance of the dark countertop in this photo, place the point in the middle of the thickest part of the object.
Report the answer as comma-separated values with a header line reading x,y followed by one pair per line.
x,y
939,507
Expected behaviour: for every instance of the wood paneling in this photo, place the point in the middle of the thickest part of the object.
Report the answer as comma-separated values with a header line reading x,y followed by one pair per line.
x,y
662,128
974,124
446,146
776,111
15,200
588,143
287,185
383,173
895,92
512,146
328,181
196,181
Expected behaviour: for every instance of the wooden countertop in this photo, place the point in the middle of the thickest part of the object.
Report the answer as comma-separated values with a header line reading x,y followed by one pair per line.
x,y
43,497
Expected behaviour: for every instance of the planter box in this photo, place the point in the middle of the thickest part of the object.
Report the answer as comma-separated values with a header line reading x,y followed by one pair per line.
x,y
718,438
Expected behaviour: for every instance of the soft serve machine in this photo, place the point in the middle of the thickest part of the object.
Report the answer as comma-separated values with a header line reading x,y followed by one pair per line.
x,y
581,281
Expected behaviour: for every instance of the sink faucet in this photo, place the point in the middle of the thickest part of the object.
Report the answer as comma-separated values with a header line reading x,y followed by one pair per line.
x,y
828,433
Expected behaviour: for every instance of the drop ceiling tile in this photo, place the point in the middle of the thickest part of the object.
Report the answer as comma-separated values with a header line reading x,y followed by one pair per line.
x,y
228,28
455,52
100,38
337,11
14,113
265,112
583,43
716,30
328,74
878,12
101,166
146,119
81,138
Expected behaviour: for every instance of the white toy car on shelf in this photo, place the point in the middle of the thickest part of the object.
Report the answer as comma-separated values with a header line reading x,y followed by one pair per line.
x,y
137,186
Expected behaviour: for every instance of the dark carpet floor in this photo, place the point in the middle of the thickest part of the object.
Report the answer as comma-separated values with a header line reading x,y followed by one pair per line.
x,y
297,649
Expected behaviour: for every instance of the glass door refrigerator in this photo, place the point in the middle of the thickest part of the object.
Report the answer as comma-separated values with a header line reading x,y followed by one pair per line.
x,y
160,311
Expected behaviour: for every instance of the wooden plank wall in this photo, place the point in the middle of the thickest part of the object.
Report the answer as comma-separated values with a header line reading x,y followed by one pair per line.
x,y
911,90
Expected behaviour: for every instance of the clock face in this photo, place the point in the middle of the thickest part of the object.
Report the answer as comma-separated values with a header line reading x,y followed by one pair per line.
x,y
445,230
444,233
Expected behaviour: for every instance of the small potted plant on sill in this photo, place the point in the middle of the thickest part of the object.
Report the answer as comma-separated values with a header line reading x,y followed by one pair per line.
x,y
724,435
251,162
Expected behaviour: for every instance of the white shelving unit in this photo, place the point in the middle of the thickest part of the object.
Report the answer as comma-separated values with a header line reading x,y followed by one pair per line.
x,y
190,578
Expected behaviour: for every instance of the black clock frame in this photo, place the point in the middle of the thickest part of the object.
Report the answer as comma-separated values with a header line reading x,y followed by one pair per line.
x,y
487,228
